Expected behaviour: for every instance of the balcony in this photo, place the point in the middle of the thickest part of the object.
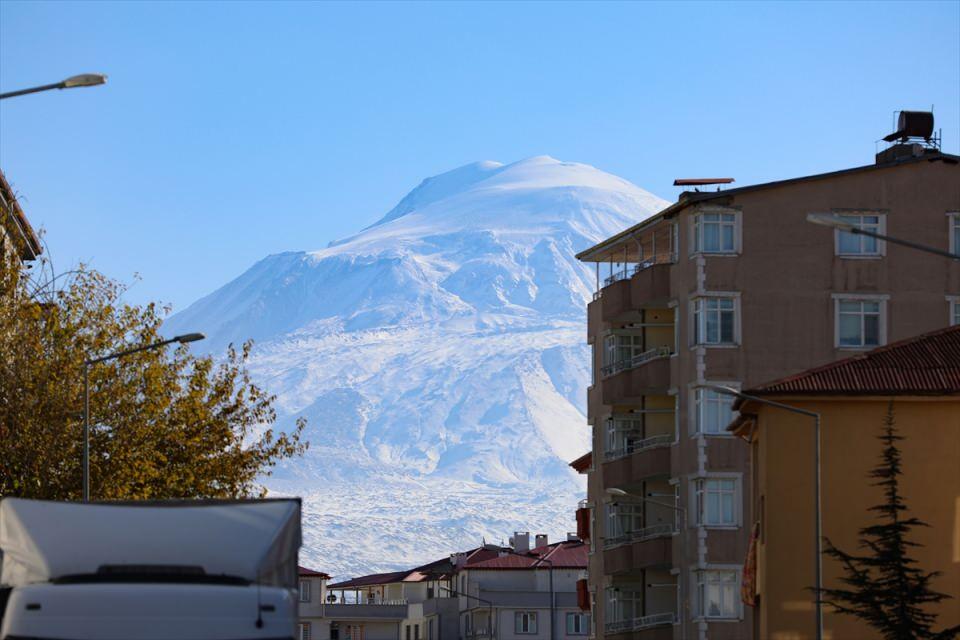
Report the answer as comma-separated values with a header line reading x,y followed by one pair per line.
x,y
646,285
659,530
386,611
637,446
636,361
637,467
647,376
657,626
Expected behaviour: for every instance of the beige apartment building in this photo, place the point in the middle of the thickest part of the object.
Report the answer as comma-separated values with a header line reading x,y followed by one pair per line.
x,y
736,287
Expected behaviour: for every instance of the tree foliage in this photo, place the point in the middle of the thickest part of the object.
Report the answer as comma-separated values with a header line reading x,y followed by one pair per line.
x,y
164,423
884,586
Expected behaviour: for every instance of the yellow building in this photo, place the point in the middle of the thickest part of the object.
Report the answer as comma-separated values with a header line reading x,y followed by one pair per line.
x,y
922,377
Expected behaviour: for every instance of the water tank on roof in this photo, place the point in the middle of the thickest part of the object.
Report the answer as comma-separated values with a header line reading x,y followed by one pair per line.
x,y
913,124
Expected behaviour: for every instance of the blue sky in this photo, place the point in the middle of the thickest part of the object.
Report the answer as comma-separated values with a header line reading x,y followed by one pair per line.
x,y
231,131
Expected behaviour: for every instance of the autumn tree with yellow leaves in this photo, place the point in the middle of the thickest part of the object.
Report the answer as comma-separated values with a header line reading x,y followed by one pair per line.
x,y
164,423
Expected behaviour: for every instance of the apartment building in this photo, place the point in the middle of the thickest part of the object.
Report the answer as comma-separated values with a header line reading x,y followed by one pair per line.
x,y
312,599
921,377
736,287
514,592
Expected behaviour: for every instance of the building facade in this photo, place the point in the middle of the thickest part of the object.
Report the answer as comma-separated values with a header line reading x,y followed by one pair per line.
x,y
312,598
735,287
921,378
17,238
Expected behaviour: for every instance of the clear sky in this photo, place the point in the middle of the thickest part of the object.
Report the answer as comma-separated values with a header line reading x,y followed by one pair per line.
x,y
229,131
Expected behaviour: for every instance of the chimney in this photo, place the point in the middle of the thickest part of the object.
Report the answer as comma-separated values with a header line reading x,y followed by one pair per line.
x,y
572,536
541,540
521,541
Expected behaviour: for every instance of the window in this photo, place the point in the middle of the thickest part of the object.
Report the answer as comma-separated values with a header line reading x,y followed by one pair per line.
x,y
717,502
578,624
714,411
953,219
860,322
430,634
303,631
619,350
717,591
714,321
715,233
525,622
623,518
853,244
954,309
408,632
416,632
468,622
304,591
624,603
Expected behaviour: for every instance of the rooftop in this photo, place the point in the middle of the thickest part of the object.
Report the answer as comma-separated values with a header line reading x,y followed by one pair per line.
x,y
31,244
928,364
303,571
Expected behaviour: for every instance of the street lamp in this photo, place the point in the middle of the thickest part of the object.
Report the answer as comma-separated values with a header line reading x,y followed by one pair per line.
x,y
818,552
183,339
613,491
837,222
82,80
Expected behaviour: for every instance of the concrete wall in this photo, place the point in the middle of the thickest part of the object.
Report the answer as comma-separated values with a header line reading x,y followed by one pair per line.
x,y
930,485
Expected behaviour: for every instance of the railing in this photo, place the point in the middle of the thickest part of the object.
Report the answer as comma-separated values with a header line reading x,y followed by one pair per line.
x,y
628,272
638,624
479,633
635,361
653,442
639,535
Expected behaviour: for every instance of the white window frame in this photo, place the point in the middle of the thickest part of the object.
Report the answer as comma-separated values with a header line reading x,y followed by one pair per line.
x,y
698,324
880,227
696,408
953,231
882,299
953,307
698,490
304,590
616,602
304,631
582,625
701,581
727,218
528,617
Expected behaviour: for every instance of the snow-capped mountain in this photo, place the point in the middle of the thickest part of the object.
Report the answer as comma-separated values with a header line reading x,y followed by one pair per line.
x,y
439,358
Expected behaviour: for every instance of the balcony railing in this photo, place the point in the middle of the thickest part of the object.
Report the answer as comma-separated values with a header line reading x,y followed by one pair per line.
x,y
628,271
639,535
638,624
636,361
653,442
479,634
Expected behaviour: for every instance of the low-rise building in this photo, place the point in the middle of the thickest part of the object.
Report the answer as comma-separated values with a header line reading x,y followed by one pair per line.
x,y
17,238
921,377
312,595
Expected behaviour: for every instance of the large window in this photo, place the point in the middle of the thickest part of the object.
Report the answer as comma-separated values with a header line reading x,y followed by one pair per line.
x,y
619,350
525,622
623,518
304,591
714,321
854,244
715,233
714,411
860,322
578,624
717,594
624,603
717,502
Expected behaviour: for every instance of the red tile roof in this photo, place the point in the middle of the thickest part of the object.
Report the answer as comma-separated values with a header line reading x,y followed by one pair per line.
x,y
583,463
927,364
372,579
303,571
565,555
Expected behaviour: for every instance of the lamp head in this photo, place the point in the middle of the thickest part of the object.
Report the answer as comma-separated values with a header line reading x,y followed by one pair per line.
x,y
829,220
189,337
84,80
616,492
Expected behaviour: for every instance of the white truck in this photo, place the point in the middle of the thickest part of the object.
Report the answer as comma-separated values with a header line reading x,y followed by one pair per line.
x,y
171,570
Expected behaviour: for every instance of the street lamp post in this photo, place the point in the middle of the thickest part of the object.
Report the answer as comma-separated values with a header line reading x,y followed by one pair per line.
x,y
818,519
188,337
837,222
82,80
613,491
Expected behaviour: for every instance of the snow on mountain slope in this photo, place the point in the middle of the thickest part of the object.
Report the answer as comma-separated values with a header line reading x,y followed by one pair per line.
x,y
439,357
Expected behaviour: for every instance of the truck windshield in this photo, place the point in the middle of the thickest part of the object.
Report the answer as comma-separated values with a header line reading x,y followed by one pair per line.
x,y
181,574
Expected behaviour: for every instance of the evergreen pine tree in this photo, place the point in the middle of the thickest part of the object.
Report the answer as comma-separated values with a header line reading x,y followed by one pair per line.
x,y
885,587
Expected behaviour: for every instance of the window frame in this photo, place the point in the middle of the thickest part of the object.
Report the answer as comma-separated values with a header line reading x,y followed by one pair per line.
x,y
304,587
697,229
525,616
880,299
735,603
304,631
699,493
583,622
881,228
953,231
698,319
696,407
953,310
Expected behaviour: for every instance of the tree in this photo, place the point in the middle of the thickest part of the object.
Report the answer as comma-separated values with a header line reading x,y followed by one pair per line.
x,y
164,423
885,588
